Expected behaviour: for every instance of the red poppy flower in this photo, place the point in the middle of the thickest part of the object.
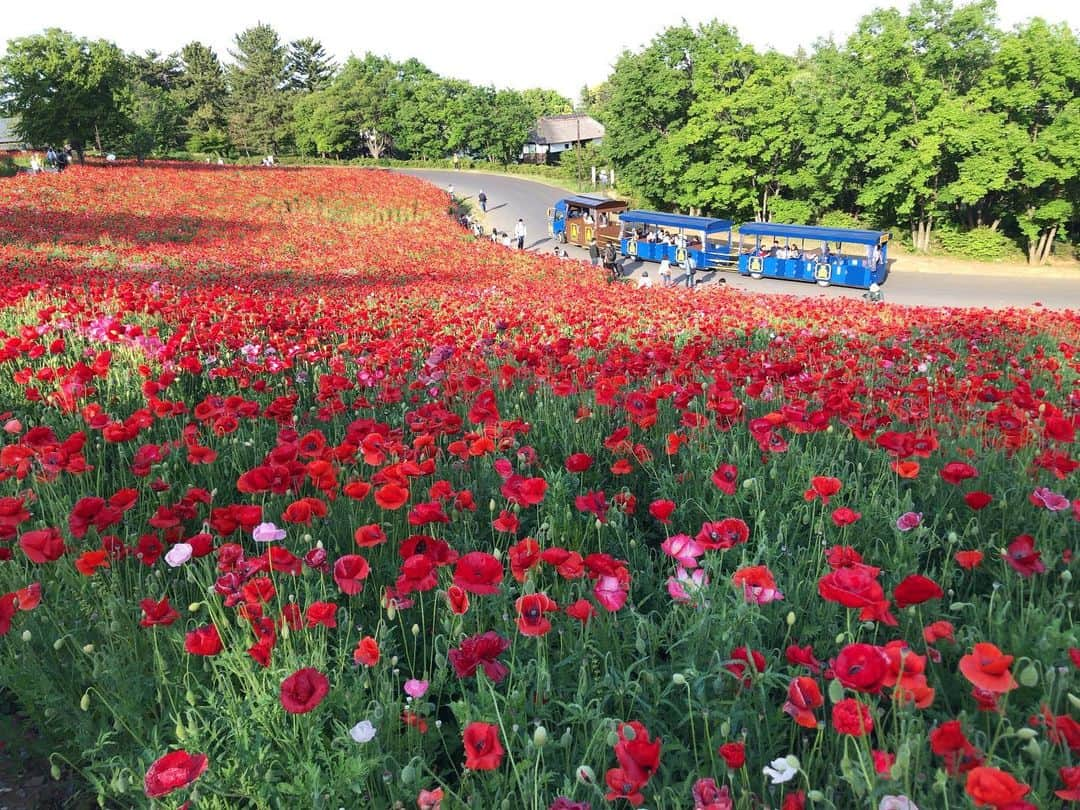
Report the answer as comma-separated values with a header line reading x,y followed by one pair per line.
x,y
42,545
582,610
990,787
723,534
89,562
622,785
578,462
203,641
302,691
478,572
916,589
757,584
802,656
29,597
531,609
366,652
938,631
638,755
948,741
173,771
734,754
726,478
321,613
155,613
978,500
954,472
507,522
803,697
350,571
458,600
523,555
844,516
391,496
988,668
483,751
968,559
862,667
906,469
851,717
824,487
661,510
1070,778
745,663
856,586
1023,557
483,651
7,611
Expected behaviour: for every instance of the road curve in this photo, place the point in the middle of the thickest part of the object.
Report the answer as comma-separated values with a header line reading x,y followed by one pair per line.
x,y
511,197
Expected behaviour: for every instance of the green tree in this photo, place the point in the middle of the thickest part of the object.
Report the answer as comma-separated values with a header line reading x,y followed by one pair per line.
x,y
309,66
59,88
152,115
543,102
202,96
258,105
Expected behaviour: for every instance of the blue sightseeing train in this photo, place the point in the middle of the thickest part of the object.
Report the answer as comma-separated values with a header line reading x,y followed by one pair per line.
x,y
845,257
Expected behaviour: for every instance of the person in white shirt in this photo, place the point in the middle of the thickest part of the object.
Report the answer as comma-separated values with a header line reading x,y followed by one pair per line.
x,y
519,233
644,282
665,273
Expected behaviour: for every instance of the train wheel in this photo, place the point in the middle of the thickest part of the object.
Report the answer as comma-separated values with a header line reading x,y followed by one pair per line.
x,y
823,283
755,275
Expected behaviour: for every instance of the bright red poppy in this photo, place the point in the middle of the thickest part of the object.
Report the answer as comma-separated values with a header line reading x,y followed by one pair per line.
x,y
852,717
990,787
350,571
532,609
988,668
916,589
366,652
483,751
175,770
803,697
478,572
203,641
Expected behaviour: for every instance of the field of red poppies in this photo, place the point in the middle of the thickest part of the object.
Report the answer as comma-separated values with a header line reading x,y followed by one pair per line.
x,y
308,499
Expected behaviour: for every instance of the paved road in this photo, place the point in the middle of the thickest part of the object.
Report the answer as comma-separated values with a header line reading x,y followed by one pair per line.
x,y
512,197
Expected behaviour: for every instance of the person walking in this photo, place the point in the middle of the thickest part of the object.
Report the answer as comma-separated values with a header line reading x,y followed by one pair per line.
x,y
519,233
482,198
594,253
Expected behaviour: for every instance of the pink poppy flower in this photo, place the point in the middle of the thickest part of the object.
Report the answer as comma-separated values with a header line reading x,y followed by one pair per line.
x,y
684,549
610,593
684,586
908,521
1048,499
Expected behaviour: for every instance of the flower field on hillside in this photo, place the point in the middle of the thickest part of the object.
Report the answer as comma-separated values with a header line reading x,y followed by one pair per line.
x,y
309,499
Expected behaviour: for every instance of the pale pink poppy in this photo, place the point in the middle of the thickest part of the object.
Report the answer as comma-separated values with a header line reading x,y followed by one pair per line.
x,y
684,549
1047,498
415,689
610,593
684,586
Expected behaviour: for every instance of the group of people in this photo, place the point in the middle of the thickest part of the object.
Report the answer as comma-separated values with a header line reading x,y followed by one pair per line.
x,y
606,255
54,160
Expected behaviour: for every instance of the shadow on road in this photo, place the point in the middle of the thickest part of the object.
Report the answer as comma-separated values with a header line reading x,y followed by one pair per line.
x,y
495,207
538,242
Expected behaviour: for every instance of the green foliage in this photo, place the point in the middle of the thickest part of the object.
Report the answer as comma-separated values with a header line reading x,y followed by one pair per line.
x,y
8,167
982,244
258,106
840,219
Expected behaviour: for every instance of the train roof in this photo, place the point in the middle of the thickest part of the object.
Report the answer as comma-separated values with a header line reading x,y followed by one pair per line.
x,y
849,235
705,224
593,201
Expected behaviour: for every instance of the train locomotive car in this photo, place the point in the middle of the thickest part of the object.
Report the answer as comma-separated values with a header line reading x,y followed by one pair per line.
x,y
579,219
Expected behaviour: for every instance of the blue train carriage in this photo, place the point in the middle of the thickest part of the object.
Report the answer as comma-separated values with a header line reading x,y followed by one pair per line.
x,y
579,219
653,236
780,252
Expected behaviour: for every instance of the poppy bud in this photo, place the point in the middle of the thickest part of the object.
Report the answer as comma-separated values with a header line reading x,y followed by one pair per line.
x,y
391,611
1027,733
1074,700
791,618
54,771
565,739
612,739
408,774
749,483
1034,750
27,635
88,648
586,775
1029,676
121,783
58,644
415,629
189,696
84,704
599,524
540,737
1066,575
725,728
678,679
194,607
491,505
180,731
816,795
393,661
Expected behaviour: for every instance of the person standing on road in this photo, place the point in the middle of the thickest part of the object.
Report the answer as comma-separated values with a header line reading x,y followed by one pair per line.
x,y
482,198
691,270
519,233
594,253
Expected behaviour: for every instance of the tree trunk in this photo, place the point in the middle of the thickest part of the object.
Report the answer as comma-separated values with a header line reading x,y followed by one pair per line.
x,y
926,233
1043,247
994,224
765,205
97,141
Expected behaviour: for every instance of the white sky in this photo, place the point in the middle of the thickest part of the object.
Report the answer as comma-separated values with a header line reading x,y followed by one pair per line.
x,y
562,44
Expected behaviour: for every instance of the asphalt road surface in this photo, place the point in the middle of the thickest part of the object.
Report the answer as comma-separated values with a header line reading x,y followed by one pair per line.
x,y
512,197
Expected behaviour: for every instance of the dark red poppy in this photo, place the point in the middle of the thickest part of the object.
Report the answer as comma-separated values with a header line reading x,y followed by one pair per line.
x,y
723,534
661,510
173,771
734,754
321,613
582,610
726,478
916,589
203,641
745,663
803,656
478,572
1023,558
303,690
955,472
157,613
458,600
578,462
978,500
481,651
852,717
